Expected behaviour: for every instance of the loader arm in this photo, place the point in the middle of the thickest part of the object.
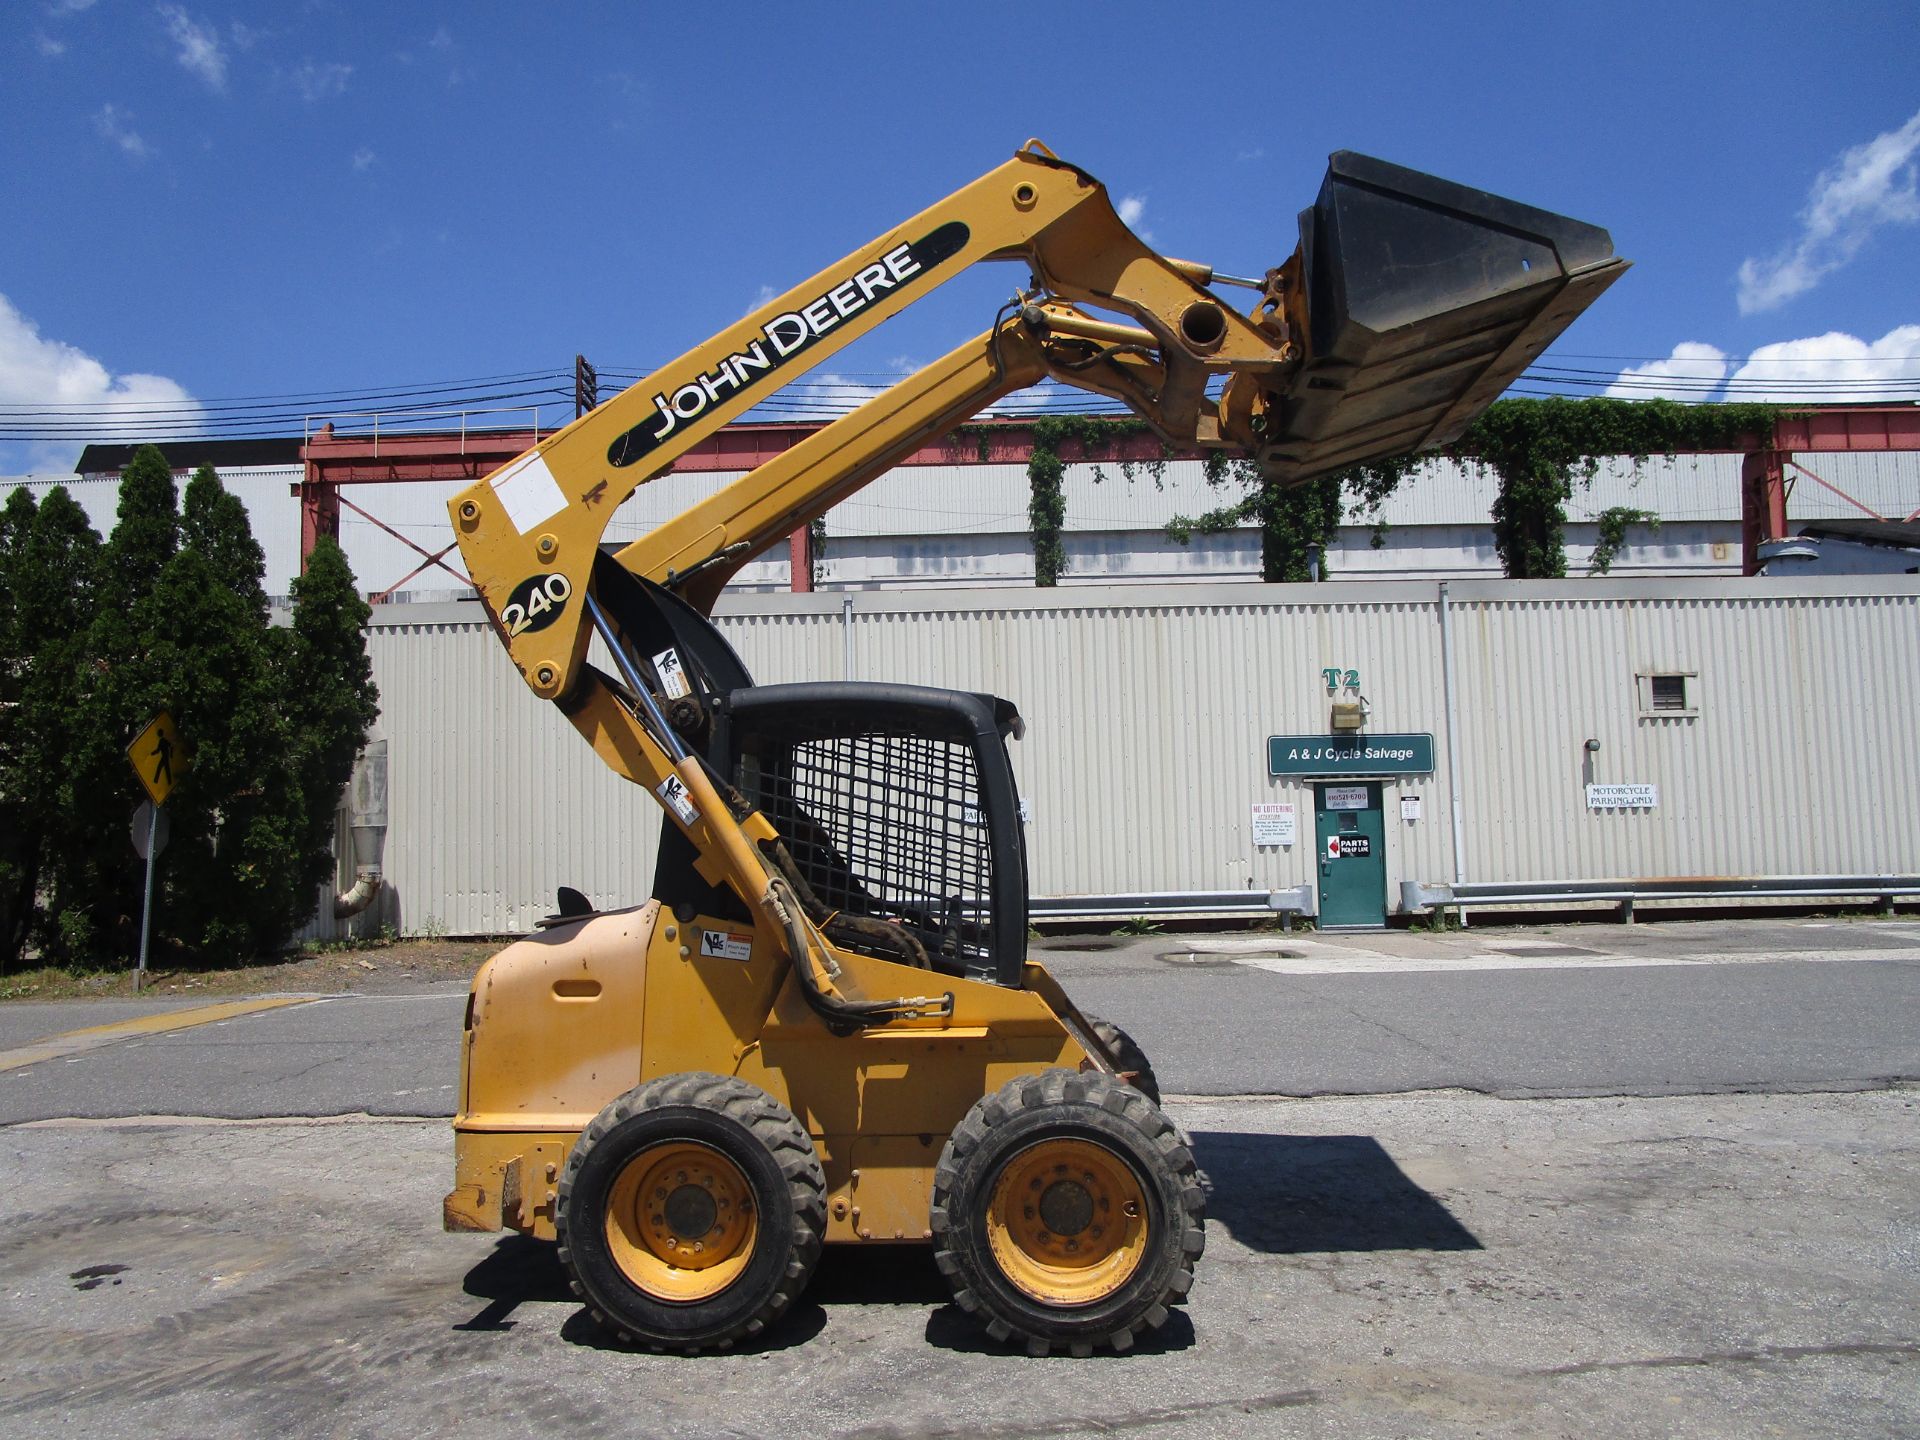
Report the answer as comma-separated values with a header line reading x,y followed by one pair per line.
x,y
531,529
1407,304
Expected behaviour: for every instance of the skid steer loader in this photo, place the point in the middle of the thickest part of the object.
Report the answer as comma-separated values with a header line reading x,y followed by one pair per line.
x,y
823,1028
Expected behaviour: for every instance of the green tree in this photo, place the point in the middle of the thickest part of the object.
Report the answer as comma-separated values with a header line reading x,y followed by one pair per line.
x,y
146,529
52,574
94,880
172,613
331,681
214,522
18,852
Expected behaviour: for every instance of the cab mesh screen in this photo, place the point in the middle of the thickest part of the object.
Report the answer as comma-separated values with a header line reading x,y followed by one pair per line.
x,y
884,824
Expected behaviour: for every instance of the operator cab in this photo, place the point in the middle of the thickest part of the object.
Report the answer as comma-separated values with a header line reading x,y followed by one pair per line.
x,y
898,813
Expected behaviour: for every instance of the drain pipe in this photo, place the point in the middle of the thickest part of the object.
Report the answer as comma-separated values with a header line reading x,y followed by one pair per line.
x,y
1453,745
367,822
846,636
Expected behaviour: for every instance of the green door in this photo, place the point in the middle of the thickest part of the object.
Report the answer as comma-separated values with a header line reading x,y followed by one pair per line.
x,y
1351,840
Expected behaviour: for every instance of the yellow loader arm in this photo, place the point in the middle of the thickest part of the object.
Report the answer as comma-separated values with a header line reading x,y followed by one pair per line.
x,y
1407,305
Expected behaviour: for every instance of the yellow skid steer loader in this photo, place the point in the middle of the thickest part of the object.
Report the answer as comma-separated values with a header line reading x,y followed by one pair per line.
x,y
823,1028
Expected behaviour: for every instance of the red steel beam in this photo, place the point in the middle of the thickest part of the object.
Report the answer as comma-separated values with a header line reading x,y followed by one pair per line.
x,y
368,460
365,459
333,460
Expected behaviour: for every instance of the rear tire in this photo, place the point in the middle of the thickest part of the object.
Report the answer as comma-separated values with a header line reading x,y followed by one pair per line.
x,y
691,1212
1067,1212
1127,1056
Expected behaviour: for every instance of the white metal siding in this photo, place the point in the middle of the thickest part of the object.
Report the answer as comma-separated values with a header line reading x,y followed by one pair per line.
x,y
1148,710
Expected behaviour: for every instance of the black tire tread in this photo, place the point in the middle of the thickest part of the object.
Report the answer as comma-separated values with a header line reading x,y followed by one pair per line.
x,y
1125,1054
775,1128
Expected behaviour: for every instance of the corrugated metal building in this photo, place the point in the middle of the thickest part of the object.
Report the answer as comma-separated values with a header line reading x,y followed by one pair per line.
x,y
939,525
1790,750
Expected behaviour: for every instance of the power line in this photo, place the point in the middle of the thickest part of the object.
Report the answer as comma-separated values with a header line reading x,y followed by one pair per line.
x,y
416,405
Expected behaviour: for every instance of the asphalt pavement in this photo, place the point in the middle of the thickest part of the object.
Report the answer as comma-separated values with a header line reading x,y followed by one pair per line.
x,y
231,1228
1650,1009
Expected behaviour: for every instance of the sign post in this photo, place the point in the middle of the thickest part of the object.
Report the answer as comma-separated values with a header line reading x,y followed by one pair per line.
x,y
160,760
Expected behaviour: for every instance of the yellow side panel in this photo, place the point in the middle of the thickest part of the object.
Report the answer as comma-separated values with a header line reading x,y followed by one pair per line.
x,y
557,1024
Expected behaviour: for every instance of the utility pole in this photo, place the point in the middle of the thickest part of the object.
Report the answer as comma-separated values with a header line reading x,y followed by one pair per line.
x,y
586,386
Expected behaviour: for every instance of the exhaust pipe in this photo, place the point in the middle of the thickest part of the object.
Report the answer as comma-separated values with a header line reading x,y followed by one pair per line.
x,y
367,822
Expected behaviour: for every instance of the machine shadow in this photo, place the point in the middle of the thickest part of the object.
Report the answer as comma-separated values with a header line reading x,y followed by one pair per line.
x,y
1301,1194
1279,1194
519,1270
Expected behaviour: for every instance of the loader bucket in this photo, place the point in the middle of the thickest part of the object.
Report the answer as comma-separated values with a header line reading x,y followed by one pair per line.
x,y
1425,300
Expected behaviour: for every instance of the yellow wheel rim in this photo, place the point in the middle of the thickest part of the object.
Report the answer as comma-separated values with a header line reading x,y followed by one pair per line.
x,y
680,1221
1067,1222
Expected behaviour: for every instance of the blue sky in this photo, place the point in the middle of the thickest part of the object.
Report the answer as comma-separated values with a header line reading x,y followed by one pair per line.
x,y
207,200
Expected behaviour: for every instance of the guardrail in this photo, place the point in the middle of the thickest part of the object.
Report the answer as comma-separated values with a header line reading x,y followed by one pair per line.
x,y
413,424
1417,895
1190,903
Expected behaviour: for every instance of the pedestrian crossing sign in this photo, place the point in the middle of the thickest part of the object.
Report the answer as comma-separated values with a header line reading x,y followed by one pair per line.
x,y
160,757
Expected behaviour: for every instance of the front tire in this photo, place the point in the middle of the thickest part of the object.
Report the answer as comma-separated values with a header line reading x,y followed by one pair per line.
x,y
1067,1212
691,1212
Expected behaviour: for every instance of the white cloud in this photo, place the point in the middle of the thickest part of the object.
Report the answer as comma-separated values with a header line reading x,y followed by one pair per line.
x,y
110,123
200,52
825,397
1692,372
1869,186
244,36
363,159
441,39
70,7
36,371
318,80
1833,367
51,48
1132,210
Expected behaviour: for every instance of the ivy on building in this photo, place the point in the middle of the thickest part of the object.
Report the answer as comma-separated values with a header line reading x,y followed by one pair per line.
x,y
1097,438
1541,449
169,613
1540,452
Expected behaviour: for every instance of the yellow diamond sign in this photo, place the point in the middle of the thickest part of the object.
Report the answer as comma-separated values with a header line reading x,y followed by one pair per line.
x,y
160,757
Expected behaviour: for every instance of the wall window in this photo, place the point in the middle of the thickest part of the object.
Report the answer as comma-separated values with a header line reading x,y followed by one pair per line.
x,y
1669,692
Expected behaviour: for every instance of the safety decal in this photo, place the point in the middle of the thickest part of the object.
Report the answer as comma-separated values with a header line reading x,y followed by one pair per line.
x,y
673,675
726,945
779,341
535,603
673,791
